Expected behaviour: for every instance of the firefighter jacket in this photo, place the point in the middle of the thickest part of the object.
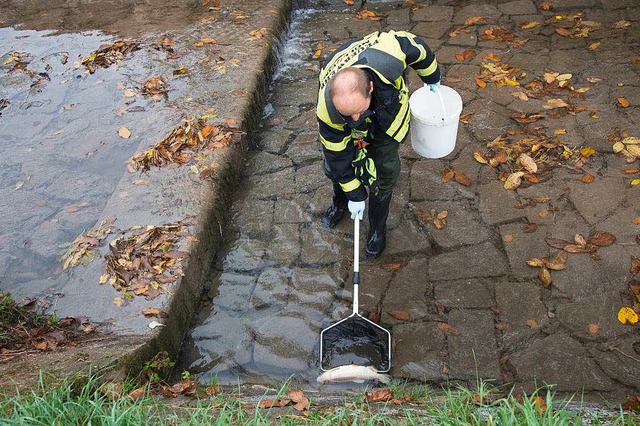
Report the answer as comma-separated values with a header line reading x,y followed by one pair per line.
x,y
384,56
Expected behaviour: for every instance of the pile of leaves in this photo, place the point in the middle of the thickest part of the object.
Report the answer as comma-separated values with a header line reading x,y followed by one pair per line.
x,y
154,87
142,261
85,247
629,147
629,314
109,54
500,34
191,138
531,157
439,220
580,244
18,61
573,26
494,71
24,327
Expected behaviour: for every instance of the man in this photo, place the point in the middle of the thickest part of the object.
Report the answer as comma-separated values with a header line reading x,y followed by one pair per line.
x,y
363,116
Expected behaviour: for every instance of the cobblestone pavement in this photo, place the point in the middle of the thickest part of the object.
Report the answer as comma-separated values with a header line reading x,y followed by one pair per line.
x,y
475,308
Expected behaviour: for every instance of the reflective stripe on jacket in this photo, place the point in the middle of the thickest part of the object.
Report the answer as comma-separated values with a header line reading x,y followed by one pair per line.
x,y
384,57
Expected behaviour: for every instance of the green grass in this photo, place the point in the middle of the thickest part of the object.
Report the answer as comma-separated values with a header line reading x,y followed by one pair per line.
x,y
72,401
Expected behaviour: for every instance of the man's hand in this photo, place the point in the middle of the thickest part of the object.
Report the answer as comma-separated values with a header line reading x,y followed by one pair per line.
x,y
433,87
357,209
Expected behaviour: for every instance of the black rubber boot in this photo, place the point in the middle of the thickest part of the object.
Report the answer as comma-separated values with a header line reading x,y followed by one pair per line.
x,y
378,213
338,209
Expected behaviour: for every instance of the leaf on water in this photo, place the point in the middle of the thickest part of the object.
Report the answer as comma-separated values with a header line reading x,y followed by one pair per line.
x,y
446,328
400,315
627,315
124,133
151,312
602,239
624,102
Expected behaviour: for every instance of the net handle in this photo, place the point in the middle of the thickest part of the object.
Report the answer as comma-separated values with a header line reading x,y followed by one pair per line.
x,y
356,263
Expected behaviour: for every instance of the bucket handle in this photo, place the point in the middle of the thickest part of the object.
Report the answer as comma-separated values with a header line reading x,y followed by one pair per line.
x,y
441,103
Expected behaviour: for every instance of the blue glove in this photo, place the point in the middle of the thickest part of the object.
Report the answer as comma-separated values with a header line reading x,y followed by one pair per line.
x,y
357,209
433,87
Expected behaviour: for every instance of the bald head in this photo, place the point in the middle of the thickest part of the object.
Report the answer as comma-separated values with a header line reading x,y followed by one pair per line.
x,y
350,91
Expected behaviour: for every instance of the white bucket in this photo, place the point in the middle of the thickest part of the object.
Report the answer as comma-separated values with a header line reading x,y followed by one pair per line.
x,y
434,121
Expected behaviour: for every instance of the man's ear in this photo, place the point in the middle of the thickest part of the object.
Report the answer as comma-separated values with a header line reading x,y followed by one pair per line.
x,y
370,87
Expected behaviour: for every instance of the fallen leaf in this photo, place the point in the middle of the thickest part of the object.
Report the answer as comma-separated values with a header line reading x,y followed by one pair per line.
x,y
627,315
557,262
446,328
448,174
124,133
301,402
379,395
507,238
503,326
528,25
545,276
270,403
593,328
129,93
621,24
541,404
118,301
151,312
481,83
602,239
555,103
624,102
588,178
137,393
636,220
528,163
530,228
594,46
513,181
520,95
462,178
400,315
546,5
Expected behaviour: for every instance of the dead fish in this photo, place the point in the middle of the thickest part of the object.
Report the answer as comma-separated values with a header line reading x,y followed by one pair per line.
x,y
353,373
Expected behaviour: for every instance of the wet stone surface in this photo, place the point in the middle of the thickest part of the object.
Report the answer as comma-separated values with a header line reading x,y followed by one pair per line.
x,y
471,275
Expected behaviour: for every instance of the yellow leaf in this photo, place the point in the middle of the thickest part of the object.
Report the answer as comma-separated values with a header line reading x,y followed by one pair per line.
x,y
594,46
103,278
528,25
618,147
535,262
627,315
514,180
587,151
634,150
635,182
546,5
555,103
560,132
624,102
481,83
563,77
124,132
479,157
545,277
631,141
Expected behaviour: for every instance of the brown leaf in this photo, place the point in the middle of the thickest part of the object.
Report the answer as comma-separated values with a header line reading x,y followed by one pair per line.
x,y
624,102
544,276
636,220
446,328
400,315
530,228
481,83
137,393
532,323
151,312
391,266
513,181
462,178
536,262
593,328
270,403
528,163
588,178
558,262
602,239
379,395
580,240
301,402
447,174
503,326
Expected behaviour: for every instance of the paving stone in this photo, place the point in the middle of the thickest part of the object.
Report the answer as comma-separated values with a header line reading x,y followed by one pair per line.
x,y
486,10
407,238
489,119
463,294
293,93
496,203
321,246
518,7
571,4
463,80
594,209
482,260
305,121
321,200
617,363
305,148
398,19
519,304
264,162
271,185
245,255
463,227
408,292
309,178
560,360
563,224
292,210
274,140
473,354
272,290
289,338
254,218
433,14
619,225
465,163
500,95
418,351
469,39
431,29
600,310
231,291
374,281
284,246
223,336
426,183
